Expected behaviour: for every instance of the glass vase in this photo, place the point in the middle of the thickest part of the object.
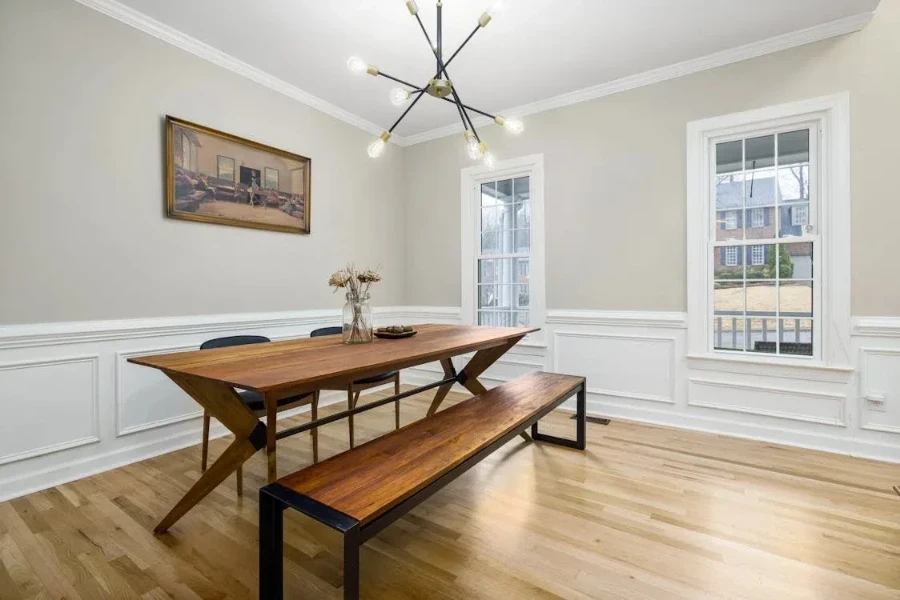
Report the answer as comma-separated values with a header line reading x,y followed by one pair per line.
x,y
357,321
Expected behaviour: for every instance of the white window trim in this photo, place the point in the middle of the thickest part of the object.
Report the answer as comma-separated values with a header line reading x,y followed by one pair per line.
x,y
831,114
470,185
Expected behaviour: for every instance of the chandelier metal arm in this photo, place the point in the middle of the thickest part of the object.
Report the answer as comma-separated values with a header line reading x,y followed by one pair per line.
x,y
408,108
442,68
414,89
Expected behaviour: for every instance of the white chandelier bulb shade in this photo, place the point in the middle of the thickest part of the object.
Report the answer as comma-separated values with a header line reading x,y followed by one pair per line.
x,y
514,126
472,147
376,148
399,96
489,161
357,65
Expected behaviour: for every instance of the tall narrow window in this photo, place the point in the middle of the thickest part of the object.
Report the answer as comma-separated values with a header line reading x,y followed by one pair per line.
x,y
503,244
504,253
763,290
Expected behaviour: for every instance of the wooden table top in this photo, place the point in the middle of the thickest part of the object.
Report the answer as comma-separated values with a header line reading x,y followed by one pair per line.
x,y
293,364
376,476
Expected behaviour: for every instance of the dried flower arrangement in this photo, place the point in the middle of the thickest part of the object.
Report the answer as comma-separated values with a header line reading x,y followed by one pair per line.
x,y
357,317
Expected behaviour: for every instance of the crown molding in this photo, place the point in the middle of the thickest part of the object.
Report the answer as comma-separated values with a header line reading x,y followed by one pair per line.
x,y
181,40
778,43
170,35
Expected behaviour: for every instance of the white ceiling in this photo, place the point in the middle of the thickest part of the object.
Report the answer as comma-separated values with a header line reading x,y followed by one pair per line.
x,y
532,50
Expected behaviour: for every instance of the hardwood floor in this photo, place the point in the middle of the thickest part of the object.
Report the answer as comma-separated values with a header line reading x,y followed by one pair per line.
x,y
645,512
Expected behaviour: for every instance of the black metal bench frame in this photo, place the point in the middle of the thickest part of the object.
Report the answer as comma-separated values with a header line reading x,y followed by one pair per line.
x,y
275,498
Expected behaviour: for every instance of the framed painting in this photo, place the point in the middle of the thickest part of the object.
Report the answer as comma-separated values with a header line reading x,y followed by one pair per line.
x,y
216,177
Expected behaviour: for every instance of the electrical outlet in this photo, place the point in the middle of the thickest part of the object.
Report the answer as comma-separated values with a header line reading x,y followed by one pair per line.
x,y
876,402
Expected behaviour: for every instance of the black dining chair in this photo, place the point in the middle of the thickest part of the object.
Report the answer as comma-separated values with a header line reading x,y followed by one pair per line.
x,y
255,403
354,389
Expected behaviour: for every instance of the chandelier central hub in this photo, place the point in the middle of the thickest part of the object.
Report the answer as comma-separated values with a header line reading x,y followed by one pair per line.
x,y
439,88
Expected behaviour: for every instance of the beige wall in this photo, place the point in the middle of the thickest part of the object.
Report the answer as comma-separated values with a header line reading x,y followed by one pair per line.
x,y
615,178
82,228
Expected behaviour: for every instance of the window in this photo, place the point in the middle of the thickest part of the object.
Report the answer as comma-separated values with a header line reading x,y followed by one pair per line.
x,y
503,244
225,168
800,216
764,287
757,255
757,218
271,181
731,220
731,257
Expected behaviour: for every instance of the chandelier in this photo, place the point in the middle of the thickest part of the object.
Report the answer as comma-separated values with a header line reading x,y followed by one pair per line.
x,y
440,86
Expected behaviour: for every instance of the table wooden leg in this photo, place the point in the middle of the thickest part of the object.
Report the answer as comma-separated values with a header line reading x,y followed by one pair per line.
x,y
223,403
449,371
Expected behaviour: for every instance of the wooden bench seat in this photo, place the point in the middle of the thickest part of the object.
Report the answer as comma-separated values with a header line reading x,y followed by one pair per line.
x,y
361,491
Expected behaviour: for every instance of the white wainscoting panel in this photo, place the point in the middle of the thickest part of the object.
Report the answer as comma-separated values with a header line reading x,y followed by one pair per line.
x,y
48,406
879,379
146,398
637,367
796,404
71,405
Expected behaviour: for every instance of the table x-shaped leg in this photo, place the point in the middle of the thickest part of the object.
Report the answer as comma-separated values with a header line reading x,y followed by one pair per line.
x,y
468,377
224,404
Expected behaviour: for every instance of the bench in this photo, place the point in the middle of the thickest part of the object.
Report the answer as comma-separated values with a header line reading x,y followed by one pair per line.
x,y
362,491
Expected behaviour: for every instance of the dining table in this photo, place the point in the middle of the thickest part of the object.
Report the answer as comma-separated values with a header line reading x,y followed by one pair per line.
x,y
289,368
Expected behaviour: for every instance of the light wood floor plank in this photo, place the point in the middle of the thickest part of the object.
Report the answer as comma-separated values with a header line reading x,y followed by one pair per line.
x,y
646,512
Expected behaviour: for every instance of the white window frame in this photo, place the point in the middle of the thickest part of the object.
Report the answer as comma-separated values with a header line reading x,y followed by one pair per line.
x,y
731,220
761,250
471,178
830,116
757,218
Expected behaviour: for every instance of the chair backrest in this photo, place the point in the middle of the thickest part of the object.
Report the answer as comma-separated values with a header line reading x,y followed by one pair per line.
x,y
326,331
234,340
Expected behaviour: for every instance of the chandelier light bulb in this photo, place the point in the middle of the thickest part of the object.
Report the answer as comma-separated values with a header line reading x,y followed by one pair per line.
x,y
376,148
514,126
399,96
357,65
472,146
489,160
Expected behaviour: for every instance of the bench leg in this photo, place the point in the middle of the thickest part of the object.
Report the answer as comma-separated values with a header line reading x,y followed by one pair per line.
x,y
271,548
351,563
580,441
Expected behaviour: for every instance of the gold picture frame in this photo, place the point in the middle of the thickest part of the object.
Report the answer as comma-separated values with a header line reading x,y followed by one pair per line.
x,y
268,188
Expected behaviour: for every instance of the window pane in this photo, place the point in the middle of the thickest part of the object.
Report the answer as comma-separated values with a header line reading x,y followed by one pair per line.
x,y
728,263
795,299
490,243
760,223
520,319
795,261
759,165
761,335
793,183
522,296
489,194
523,240
794,219
491,219
760,261
796,337
761,299
522,189
728,298
728,333
487,270
793,147
729,157
504,191
487,296
523,215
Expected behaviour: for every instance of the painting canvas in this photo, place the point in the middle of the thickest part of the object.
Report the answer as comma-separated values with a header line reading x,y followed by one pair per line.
x,y
217,177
